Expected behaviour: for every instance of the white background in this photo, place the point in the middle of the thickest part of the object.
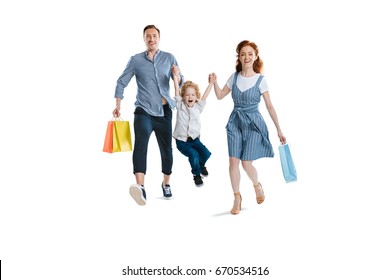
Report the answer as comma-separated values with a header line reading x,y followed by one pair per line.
x,y
65,211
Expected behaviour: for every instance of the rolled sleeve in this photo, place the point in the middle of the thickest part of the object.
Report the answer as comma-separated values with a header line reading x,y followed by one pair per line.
x,y
124,79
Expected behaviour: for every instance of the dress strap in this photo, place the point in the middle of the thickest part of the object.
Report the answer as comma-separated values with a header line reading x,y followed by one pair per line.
x,y
259,81
235,78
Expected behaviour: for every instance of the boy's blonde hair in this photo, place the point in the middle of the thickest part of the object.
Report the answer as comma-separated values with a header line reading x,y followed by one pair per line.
x,y
188,84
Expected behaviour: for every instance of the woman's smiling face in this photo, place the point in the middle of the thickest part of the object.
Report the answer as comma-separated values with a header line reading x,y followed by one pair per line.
x,y
247,56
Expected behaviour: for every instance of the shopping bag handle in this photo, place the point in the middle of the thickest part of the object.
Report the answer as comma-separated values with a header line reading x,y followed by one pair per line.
x,y
117,119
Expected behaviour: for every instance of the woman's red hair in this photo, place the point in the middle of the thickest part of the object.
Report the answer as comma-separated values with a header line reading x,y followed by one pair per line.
x,y
257,65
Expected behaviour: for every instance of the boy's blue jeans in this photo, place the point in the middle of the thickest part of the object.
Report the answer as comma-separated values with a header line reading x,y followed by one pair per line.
x,y
196,152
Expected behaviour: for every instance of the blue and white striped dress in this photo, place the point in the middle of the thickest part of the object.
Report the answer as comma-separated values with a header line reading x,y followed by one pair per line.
x,y
247,132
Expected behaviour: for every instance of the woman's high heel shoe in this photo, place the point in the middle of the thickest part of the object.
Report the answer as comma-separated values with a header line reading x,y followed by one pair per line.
x,y
259,193
237,203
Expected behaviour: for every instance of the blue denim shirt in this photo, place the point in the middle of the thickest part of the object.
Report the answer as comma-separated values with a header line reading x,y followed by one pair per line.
x,y
152,81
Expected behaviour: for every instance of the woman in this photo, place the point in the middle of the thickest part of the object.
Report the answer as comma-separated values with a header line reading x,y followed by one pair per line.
x,y
247,132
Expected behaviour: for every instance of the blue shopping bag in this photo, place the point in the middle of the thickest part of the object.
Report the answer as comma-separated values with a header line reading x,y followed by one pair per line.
x,y
288,167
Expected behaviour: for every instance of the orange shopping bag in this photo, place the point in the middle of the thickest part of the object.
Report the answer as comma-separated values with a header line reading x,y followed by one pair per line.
x,y
108,140
118,137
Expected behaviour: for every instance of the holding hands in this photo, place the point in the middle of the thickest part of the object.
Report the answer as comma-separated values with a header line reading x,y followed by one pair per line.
x,y
212,78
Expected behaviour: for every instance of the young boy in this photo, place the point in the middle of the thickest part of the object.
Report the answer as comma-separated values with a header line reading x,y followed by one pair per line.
x,y
189,105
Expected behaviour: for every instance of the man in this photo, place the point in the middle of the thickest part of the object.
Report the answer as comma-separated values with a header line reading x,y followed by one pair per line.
x,y
153,70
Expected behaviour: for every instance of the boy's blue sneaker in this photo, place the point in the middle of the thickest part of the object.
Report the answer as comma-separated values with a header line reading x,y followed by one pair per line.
x,y
198,180
204,172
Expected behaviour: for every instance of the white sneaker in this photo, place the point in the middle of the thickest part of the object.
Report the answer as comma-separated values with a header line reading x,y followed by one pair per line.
x,y
137,192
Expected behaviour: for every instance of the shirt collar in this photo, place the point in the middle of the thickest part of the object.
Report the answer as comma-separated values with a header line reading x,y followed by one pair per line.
x,y
146,52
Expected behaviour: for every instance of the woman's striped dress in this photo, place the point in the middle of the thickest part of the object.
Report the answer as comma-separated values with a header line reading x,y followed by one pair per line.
x,y
247,132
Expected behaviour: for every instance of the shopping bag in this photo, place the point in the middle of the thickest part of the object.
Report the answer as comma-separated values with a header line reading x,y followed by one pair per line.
x,y
288,167
109,137
122,138
118,137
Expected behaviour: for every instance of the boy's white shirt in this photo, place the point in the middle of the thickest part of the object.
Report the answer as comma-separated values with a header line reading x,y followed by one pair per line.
x,y
188,119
